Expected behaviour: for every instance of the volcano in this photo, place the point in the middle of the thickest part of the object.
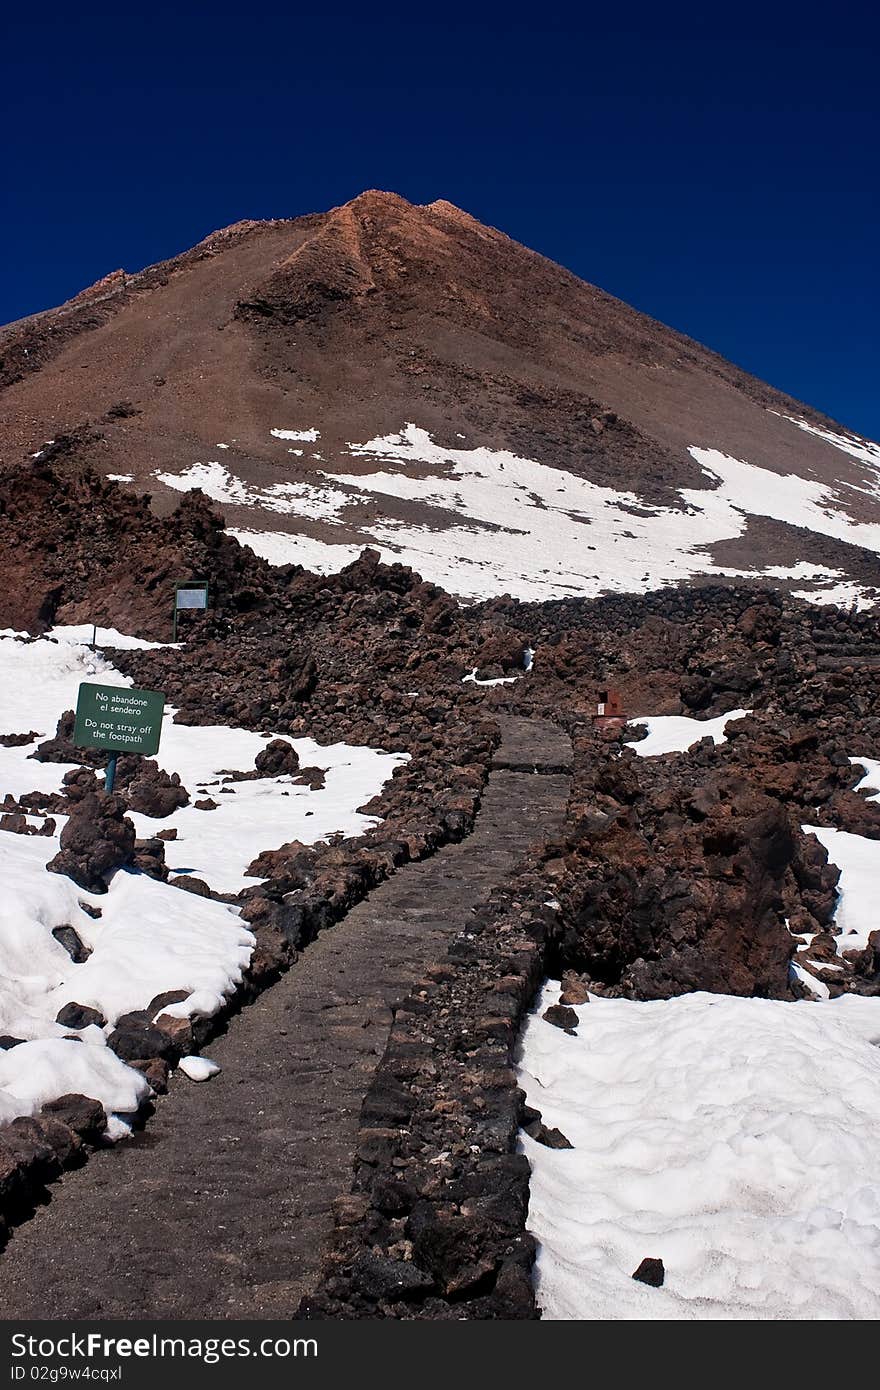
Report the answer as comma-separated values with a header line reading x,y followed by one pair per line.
x,y
389,801
407,378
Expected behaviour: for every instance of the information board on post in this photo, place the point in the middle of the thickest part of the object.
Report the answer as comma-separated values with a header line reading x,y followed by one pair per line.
x,y
190,595
119,719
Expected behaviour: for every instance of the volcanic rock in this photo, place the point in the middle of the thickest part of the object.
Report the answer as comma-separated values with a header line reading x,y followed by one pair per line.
x,y
136,1039
650,1271
561,1017
277,759
82,1114
148,789
97,838
69,938
79,1016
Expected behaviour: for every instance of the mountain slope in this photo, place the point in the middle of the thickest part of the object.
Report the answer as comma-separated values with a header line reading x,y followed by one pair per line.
x,y
405,376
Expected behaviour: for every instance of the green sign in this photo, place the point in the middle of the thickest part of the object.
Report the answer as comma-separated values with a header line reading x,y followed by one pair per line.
x,y
119,719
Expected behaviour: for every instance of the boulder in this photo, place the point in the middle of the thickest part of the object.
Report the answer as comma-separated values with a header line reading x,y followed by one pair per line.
x,y
134,1039
97,837
78,1016
277,759
82,1114
148,789
561,1017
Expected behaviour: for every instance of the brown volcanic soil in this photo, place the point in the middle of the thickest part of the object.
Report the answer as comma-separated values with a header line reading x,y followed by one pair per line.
x,y
374,314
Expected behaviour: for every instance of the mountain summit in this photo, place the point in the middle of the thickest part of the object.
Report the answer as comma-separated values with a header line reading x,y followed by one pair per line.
x,y
404,376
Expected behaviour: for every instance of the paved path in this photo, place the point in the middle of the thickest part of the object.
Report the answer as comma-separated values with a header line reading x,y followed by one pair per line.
x,y
221,1209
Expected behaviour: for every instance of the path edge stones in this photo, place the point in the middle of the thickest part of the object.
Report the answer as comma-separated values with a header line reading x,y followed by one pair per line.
x,y
434,1225
36,1150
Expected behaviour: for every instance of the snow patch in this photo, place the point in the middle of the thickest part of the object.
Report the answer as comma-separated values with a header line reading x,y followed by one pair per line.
x,y
675,733
198,1068
255,815
297,499
80,635
285,548
36,1072
305,436
736,1139
858,859
149,938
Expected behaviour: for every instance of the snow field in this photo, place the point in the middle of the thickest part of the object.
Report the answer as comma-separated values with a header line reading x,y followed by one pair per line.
x,y
147,937
522,527
736,1139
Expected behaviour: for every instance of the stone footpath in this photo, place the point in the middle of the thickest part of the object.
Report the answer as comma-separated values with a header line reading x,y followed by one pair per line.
x,y
222,1208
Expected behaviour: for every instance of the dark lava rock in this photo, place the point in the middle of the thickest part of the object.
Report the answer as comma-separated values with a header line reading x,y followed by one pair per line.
x,y
148,789
561,1017
379,1277
70,940
277,758
97,838
74,1015
689,885
61,748
135,1040
7,1041
299,676
651,1272
552,1138
149,858
26,1145
312,777
161,1001
393,1197
574,989
156,1070
82,1114
190,884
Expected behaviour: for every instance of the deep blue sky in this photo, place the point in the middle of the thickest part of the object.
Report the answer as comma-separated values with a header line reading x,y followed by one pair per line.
x,y
717,170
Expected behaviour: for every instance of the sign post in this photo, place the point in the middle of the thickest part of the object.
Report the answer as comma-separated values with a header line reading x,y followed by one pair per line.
x,y
118,719
189,594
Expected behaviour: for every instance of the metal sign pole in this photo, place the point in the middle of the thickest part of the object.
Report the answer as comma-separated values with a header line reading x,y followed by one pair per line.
x,y
110,774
